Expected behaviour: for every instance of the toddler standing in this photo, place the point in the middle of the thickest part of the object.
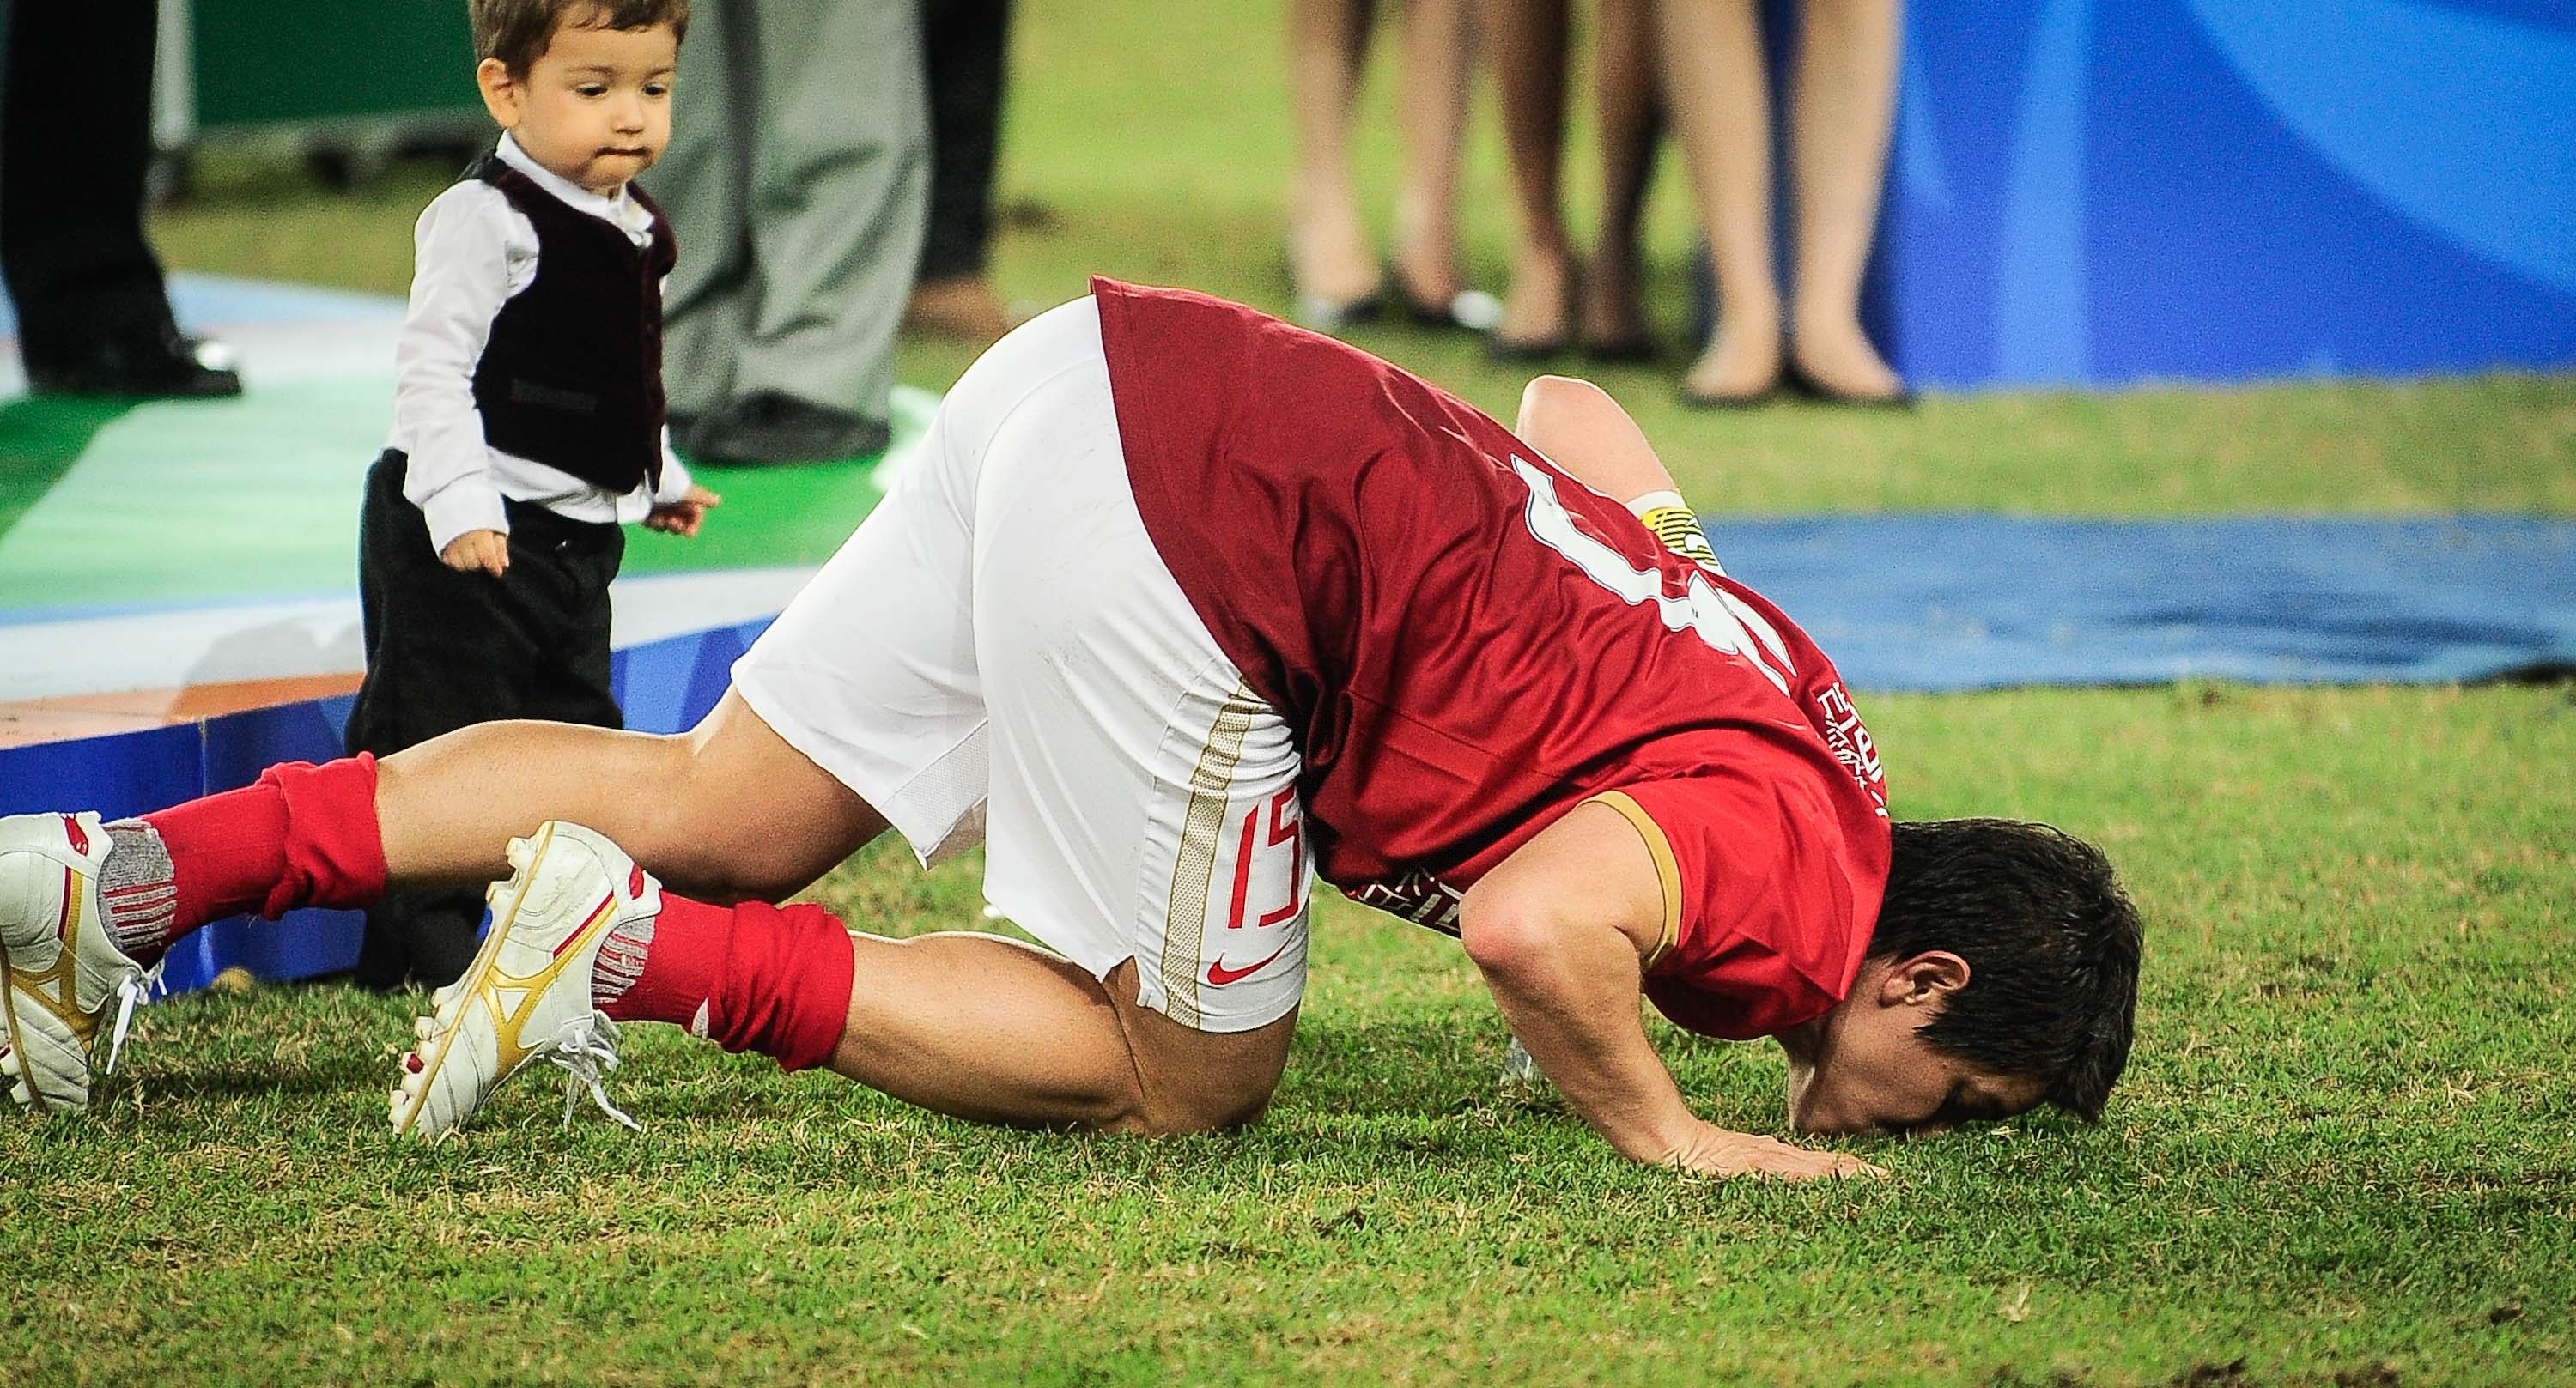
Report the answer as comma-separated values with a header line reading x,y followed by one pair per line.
x,y
528,416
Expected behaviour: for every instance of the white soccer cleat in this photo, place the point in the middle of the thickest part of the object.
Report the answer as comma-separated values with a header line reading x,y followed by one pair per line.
x,y
526,996
59,971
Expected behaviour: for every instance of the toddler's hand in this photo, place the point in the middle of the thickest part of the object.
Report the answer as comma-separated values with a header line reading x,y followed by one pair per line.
x,y
682,517
488,550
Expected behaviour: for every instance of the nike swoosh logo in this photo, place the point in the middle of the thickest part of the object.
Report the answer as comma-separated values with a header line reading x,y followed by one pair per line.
x,y
1220,975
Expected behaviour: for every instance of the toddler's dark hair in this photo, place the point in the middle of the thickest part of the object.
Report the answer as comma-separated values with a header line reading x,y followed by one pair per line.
x,y
518,31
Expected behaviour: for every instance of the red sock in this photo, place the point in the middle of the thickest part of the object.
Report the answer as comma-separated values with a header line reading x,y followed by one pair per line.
x,y
772,979
301,835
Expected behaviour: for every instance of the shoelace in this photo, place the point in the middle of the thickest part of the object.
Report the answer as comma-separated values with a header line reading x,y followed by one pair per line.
x,y
133,988
586,1048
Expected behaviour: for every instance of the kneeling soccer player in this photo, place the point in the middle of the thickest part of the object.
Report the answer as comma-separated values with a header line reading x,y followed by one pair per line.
x,y
1177,606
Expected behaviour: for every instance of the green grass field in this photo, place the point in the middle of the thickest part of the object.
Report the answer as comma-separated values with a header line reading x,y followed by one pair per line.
x,y
2345,1152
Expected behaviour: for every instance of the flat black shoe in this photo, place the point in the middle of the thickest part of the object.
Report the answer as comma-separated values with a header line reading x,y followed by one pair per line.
x,y
1321,312
771,427
1467,311
158,363
1324,315
1632,351
1755,401
1511,351
1795,380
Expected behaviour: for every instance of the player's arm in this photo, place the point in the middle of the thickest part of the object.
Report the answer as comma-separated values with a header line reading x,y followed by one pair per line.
x,y
1587,435
1585,432
1561,931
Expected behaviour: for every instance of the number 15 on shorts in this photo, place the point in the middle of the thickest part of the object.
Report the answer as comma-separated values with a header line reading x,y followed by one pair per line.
x,y
1270,886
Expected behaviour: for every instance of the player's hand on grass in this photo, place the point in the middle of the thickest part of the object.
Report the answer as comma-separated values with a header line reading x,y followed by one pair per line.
x,y
684,516
487,550
1714,1151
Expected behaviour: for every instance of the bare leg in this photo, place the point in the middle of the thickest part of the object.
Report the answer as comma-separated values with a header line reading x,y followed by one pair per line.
x,y
1623,81
1718,95
726,811
1839,120
996,1031
1528,40
973,1025
1437,53
1328,246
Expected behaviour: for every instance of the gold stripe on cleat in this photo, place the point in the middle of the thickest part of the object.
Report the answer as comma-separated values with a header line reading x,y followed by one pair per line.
x,y
56,988
510,998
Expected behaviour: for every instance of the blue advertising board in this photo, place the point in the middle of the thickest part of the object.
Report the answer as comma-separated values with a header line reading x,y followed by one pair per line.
x,y
2084,192
664,687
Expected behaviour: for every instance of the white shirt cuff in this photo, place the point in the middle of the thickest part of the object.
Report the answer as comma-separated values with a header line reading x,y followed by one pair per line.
x,y
461,508
676,480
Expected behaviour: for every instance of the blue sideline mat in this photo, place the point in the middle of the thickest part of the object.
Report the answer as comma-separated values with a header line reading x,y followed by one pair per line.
x,y
1949,602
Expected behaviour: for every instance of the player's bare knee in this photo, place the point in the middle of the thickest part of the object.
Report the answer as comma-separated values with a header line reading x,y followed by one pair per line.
x,y
1219,1097
1217,1094
1190,1115
1170,1125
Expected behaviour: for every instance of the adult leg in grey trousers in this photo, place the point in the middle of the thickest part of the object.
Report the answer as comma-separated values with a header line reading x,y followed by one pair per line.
x,y
797,180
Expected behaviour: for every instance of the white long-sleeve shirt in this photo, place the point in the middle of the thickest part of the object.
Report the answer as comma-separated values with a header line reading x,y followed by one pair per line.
x,y
471,252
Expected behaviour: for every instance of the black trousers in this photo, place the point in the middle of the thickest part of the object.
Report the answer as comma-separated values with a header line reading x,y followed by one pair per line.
x,y
75,144
446,650
964,50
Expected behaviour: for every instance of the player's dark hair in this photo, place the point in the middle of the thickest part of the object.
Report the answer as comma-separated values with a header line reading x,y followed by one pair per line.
x,y
518,31
2052,946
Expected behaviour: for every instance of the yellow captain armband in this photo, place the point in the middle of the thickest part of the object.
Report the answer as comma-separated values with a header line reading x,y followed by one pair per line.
x,y
1677,526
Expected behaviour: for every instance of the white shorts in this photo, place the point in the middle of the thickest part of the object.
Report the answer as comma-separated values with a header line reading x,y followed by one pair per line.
x,y
1000,652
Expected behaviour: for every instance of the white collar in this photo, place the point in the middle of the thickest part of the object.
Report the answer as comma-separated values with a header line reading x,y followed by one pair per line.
x,y
621,210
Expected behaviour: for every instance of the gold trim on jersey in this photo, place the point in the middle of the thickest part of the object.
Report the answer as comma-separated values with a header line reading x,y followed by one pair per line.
x,y
1194,865
1668,872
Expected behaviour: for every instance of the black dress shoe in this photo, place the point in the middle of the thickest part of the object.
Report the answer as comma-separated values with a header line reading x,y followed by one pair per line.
x,y
154,364
771,427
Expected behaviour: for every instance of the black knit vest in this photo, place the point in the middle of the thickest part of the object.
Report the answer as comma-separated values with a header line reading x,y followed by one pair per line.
x,y
572,375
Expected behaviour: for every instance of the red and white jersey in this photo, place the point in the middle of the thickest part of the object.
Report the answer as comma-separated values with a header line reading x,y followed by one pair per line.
x,y
1467,643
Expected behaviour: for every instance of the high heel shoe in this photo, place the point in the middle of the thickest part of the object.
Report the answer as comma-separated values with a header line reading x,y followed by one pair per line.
x,y
1763,393
1796,380
1526,351
1698,400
